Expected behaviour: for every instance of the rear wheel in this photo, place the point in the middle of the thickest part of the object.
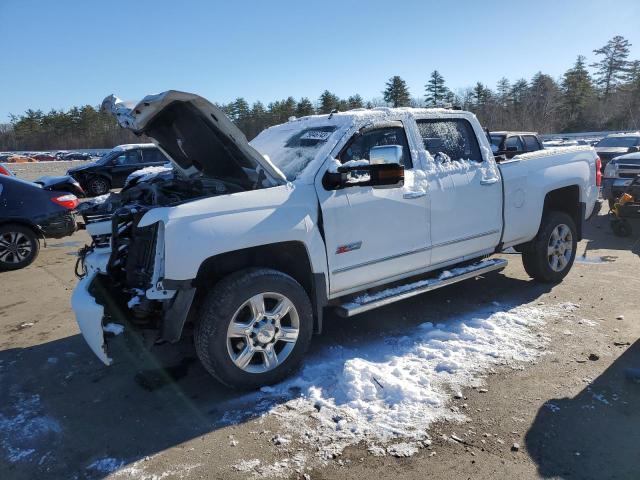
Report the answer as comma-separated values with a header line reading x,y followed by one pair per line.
x,y
254,328
18,246
98,186
551,254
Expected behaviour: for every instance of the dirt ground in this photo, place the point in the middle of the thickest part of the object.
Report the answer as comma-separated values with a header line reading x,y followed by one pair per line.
x,y
159,415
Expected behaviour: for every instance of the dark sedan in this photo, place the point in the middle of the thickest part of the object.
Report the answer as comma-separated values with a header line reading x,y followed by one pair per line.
x,y
27,213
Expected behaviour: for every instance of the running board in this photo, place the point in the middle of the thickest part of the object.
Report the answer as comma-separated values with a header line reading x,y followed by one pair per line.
x,y
380,299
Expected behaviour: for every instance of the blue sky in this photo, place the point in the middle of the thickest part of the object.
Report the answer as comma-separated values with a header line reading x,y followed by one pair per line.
x,y
57,54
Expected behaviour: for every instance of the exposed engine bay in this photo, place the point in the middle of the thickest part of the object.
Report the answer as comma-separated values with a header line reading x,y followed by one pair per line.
x,y
112,221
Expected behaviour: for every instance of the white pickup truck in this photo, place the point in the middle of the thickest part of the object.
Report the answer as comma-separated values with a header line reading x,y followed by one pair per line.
x,y
251,242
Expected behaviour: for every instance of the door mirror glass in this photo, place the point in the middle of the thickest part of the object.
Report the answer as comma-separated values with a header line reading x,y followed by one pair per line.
x,y
389,175
385,154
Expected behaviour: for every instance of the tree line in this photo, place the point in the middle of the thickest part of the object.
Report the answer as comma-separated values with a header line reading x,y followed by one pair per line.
x,y
602,95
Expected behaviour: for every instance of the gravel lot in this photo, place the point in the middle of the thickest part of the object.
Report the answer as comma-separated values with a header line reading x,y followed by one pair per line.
x,y
35,170
157,414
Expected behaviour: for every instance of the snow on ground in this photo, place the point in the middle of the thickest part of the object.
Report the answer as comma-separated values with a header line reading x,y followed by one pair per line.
x,y
24,428
387,392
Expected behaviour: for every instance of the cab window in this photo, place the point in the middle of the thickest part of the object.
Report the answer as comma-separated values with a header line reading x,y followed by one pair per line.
x,y
514,142
454,138
359,146
531,143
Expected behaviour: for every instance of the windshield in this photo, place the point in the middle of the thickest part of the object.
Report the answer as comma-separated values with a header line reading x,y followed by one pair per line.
x,y
622,142
291,148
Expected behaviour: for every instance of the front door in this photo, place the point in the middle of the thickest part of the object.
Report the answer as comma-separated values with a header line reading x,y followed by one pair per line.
x,y
126,163
465,191
374,234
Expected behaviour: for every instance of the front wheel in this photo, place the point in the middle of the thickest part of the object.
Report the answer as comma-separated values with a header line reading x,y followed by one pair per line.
x,y
552,252
97,186
254,328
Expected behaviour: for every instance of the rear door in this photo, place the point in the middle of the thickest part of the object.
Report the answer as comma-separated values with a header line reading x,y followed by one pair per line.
x,y
153,157
374,234
465,191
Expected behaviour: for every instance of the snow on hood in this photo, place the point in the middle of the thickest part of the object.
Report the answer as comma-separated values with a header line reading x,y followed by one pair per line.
x,y
147,173
195,134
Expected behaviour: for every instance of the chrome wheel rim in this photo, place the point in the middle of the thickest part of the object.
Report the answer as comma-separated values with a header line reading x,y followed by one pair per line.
x,y
15,247
263,332
560,248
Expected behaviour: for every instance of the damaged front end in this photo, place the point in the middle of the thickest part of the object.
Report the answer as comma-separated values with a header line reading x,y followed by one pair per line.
x,y
121,272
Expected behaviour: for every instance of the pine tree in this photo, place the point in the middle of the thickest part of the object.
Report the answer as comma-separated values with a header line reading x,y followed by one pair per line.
x,y
304,107
437,91
355,101
518,92
396,93
481,95
502,89
613,67
328,102
577,89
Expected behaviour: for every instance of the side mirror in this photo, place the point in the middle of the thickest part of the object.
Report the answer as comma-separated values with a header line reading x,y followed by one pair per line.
x,y
370,175
633,149
385,154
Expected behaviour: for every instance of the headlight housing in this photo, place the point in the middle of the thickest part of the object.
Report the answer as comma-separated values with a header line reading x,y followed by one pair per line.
x,y
611,170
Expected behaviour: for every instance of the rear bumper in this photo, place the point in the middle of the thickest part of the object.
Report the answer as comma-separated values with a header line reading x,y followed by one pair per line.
x,y
59,226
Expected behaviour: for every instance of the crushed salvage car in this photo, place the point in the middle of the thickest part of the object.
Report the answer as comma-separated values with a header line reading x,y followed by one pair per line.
x,y
250,242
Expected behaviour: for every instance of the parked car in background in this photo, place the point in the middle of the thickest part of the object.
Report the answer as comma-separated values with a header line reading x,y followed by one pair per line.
x,y
19,159
4,170
63,183
511,144
618,174
43,157
111,171
76,156
617,144
28,212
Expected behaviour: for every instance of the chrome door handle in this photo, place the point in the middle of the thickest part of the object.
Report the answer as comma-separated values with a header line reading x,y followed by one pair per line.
x,y
414,194
489,181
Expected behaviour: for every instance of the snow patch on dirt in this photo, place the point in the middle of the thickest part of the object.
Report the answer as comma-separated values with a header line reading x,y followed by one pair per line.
x,y
387,392
25,428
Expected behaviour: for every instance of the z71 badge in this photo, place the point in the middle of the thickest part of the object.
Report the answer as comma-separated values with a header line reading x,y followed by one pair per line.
x,y
348,247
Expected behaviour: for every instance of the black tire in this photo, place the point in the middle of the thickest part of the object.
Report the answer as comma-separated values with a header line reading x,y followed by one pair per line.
x,y
19,246
97,186
621,227
536,259
217,313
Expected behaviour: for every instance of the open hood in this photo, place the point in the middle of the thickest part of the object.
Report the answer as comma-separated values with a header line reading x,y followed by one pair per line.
x,y
195,134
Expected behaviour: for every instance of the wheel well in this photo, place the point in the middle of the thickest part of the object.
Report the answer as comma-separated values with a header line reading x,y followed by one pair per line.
x,y
24,223
287,257
566,199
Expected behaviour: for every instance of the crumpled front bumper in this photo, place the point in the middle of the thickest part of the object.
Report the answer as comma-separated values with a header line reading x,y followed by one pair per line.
x,y
89,313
